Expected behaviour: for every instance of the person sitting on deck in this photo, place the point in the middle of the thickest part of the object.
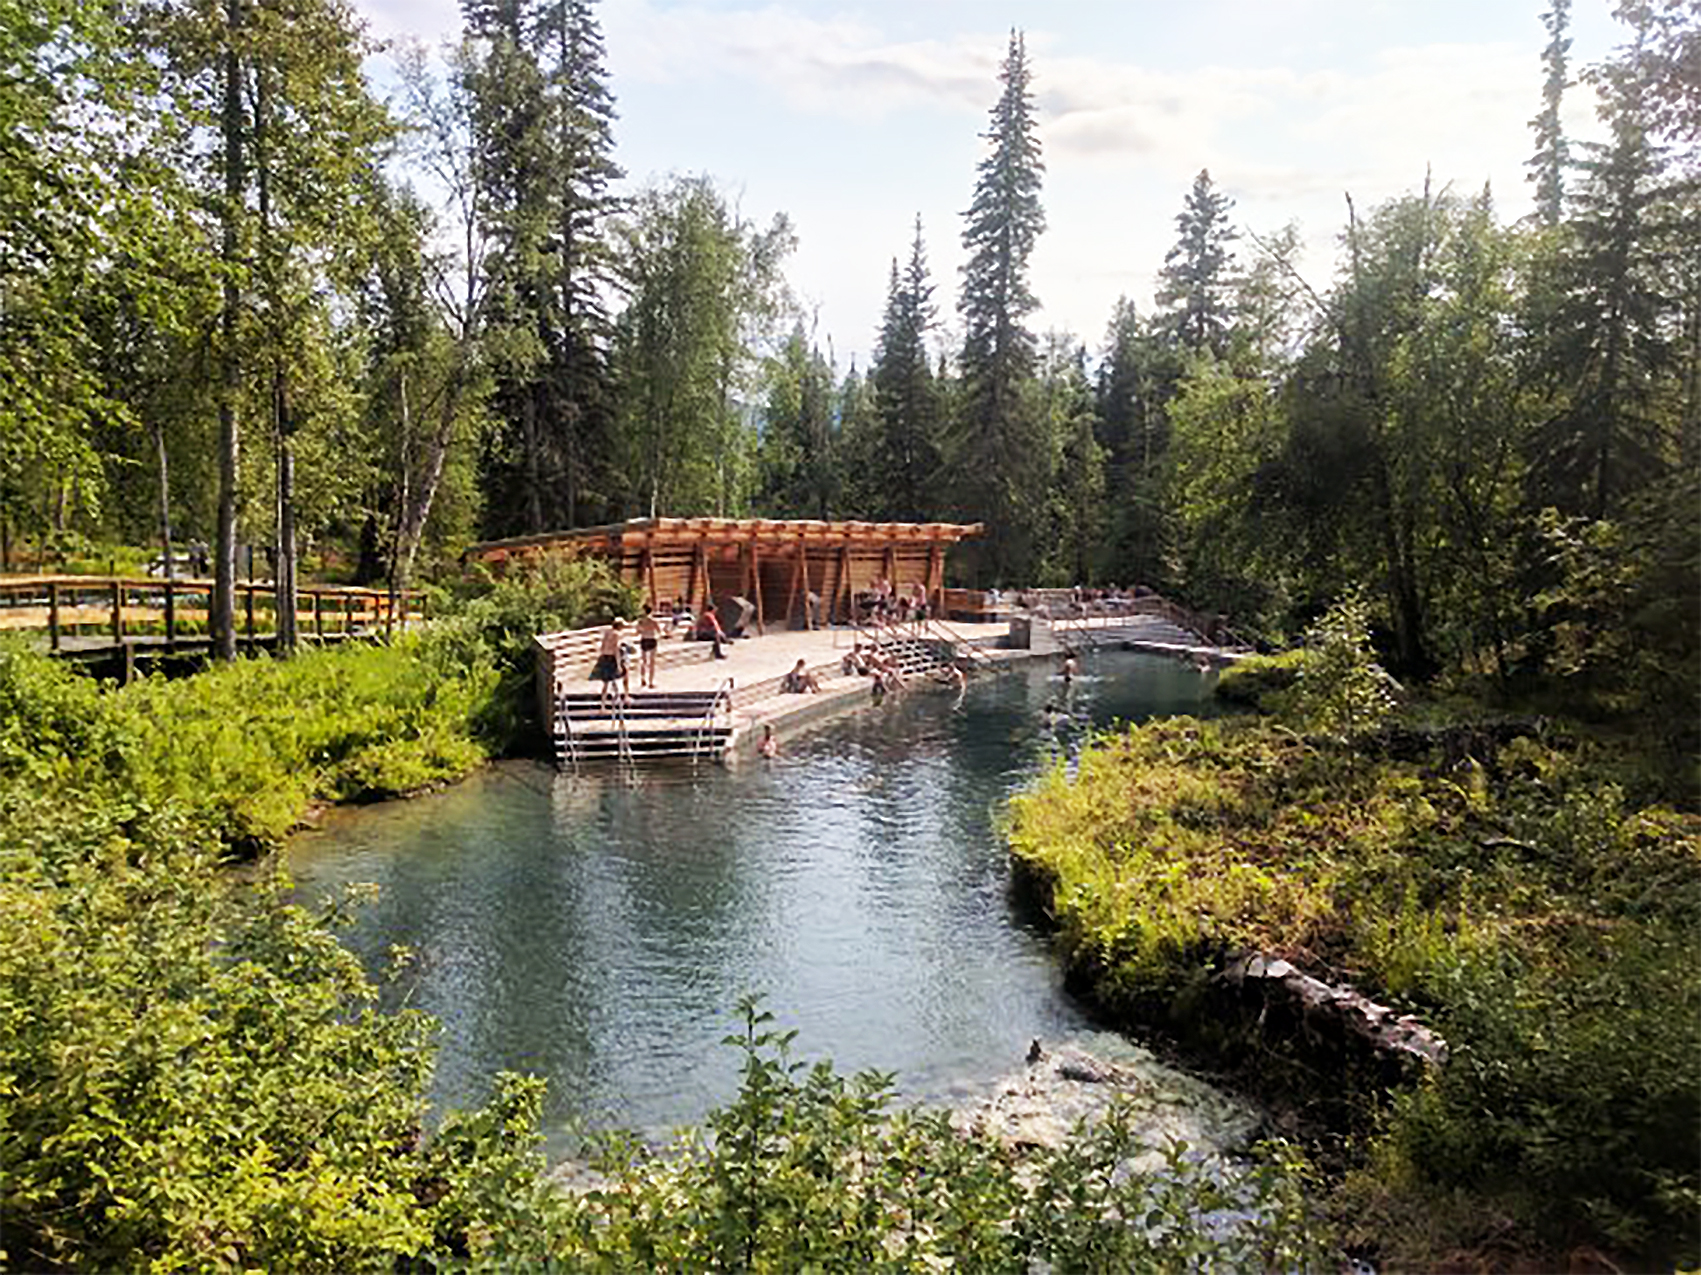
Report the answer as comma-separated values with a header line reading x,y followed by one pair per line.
x,y
709,630
799,681
611,665
852,663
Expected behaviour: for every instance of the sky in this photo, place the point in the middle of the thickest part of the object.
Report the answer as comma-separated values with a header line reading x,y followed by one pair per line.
x,y
852,118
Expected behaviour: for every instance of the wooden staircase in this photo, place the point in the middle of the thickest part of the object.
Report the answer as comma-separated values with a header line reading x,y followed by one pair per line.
x,y
640,727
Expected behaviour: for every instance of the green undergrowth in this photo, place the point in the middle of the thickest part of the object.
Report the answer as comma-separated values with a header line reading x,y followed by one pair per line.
x,y
249,747
1514,900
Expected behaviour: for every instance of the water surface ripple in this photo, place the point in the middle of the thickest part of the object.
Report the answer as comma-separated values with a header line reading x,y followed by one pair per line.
x,y
598,930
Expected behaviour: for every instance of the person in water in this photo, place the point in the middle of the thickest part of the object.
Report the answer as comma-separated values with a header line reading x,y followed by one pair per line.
x,y
649,637
611,664
769,747
1070,667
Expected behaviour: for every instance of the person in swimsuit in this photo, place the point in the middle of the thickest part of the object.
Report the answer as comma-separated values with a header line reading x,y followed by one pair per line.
x,y
769,747
610,666
649,636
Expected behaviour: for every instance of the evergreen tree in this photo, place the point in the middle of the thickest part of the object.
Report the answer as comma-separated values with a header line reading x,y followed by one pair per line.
x,y
904,458
999,454
1609,346
798,456
1077,520
1136,379
1195,283
1547,165
542,136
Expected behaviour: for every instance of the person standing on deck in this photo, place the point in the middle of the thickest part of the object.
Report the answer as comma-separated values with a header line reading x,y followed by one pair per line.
x,y
649,636
611,664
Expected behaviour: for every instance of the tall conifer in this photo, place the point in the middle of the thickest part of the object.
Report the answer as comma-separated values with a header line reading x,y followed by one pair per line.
x,y
1547,165
999,458
1195,282
905,454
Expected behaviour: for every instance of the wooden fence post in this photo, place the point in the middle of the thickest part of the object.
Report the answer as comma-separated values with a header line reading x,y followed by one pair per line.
x,y
117,613
170,615
248,597
53,615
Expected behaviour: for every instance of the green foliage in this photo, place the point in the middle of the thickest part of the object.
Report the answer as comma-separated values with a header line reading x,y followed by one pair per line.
x,y
1342,692
1514,900
809,1171
1259,681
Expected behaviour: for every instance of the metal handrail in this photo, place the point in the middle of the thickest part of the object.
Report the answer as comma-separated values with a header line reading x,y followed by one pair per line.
x,y
565,717
958,641
722,692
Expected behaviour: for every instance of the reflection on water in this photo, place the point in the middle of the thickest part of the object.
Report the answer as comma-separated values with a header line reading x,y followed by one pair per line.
x,y
598,930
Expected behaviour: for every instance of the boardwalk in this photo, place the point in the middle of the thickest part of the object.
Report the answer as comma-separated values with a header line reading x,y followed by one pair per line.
x,y
718,707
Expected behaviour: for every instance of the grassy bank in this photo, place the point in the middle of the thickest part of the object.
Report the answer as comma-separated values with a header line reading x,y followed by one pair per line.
x,y
1510,895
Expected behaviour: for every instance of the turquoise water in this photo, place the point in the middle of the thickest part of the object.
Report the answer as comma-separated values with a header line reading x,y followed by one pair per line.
x,y
599,929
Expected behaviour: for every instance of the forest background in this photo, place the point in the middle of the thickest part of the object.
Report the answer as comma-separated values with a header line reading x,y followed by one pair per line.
x,y
232,316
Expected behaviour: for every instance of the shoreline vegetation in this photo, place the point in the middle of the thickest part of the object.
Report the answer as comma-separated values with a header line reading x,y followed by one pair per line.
x,y
1520,886
196,1073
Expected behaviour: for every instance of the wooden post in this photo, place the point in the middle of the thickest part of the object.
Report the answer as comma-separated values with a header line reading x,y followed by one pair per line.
x,y
756,583
699,562
248,590
318,615
53,615
649,572
844,583
129,669
170,615
936,580
117,613
800,570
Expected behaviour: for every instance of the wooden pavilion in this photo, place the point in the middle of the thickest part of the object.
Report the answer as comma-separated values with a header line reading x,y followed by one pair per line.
x,y
781,567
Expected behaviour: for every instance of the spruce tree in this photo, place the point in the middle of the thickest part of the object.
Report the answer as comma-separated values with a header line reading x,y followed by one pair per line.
x,y
543,140
1195,278
999,456
1609,346
1547,165
905,454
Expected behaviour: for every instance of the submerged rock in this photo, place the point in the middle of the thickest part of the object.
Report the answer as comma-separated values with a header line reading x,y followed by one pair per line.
x,y
1062,1087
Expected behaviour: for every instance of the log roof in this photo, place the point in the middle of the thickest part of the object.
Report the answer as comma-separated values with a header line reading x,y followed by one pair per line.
x,y
658,532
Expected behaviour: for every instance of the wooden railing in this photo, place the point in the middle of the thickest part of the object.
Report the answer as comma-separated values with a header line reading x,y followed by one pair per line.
x,y
119,609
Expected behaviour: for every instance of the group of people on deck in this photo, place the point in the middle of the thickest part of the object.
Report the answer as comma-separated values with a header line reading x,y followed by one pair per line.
x,y
880,603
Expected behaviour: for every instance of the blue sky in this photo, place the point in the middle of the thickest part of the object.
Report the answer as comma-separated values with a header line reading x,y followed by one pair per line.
x,y
854,117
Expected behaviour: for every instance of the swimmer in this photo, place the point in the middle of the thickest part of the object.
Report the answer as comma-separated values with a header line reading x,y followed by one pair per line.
x,y
769,747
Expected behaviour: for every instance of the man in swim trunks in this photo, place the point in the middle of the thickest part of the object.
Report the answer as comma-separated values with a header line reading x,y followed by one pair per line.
x,y
611,666
649,636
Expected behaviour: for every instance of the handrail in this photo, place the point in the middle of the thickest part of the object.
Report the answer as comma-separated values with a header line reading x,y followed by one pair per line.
x,y
959,642
565,717
707,723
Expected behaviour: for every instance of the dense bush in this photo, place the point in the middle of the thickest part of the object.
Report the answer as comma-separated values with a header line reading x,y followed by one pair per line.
x,y
1515,902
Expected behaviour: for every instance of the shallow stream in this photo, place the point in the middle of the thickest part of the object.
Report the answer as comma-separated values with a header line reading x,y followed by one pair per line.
x,y
599,929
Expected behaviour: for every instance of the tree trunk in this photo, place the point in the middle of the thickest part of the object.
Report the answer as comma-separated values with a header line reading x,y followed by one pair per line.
x,y
158,431
223,606
286,595
533,461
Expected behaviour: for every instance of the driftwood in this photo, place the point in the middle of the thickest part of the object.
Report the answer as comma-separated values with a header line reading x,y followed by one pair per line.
x,y
1316,1003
